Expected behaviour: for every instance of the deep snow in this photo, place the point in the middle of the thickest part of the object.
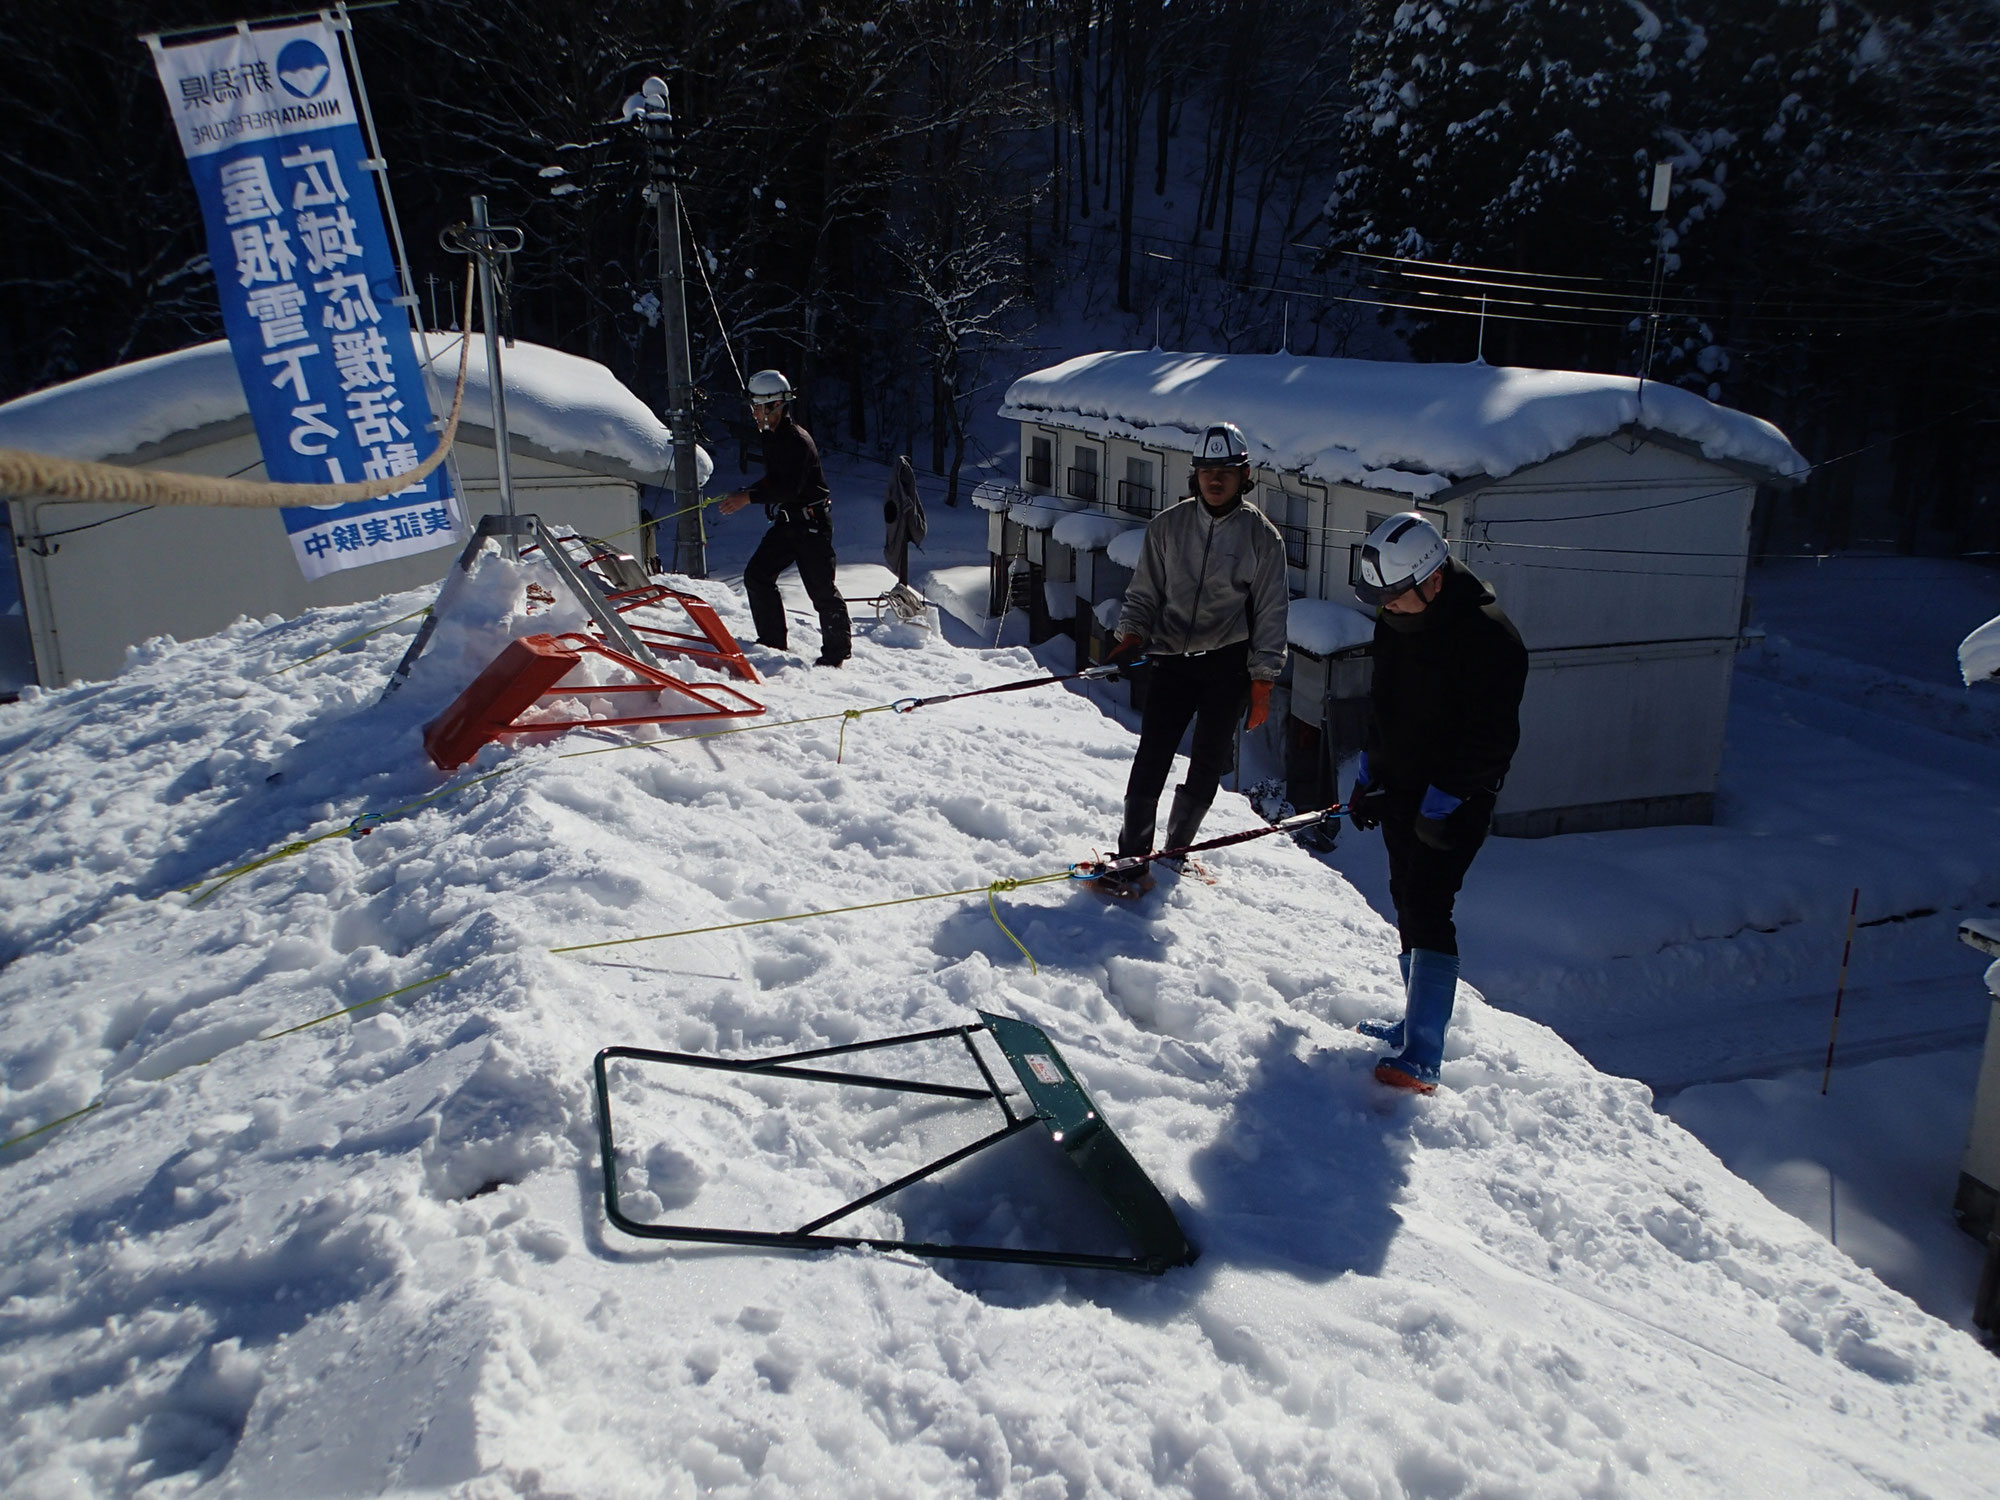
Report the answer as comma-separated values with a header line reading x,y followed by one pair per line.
x,y
369,1256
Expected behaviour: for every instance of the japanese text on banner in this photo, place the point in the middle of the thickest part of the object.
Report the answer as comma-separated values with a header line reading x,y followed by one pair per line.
x,y
308,284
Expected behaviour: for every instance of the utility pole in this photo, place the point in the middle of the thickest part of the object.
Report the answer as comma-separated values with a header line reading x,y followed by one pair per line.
x,y
656,119
1663,184
483,240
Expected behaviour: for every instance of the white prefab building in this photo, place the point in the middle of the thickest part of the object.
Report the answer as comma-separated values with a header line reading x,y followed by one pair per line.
x,y
96,579
1612,520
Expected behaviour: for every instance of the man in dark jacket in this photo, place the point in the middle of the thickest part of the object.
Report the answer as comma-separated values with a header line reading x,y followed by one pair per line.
x,y
794,494
1208,602
1449,672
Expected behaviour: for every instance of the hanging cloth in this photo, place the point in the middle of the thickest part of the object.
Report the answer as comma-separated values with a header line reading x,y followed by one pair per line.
x,y
903,522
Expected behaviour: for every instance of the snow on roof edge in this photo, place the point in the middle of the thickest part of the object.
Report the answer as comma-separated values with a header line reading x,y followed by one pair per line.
x,y
1409,428
568,406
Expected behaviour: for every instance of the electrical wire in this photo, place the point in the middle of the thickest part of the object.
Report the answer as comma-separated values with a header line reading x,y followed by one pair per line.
x,y
701,265
49,536
137,510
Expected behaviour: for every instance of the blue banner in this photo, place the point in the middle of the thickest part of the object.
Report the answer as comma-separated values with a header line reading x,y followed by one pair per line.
x,y
309,287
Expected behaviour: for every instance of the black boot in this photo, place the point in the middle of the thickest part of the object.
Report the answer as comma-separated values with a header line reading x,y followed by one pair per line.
x,y
1184,821
1136,835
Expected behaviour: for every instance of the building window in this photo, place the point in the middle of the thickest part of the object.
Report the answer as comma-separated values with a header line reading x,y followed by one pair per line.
x,y
1136,492
1083,473
1288,513
1041,463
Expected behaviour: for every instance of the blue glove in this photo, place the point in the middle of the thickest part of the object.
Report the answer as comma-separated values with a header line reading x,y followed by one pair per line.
x,y
1429,825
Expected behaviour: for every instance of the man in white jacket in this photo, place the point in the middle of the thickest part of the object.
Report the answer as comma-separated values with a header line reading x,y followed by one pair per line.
x,y
1208,605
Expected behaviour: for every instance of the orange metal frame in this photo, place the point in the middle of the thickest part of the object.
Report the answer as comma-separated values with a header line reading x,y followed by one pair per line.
x,y
715,645
710,695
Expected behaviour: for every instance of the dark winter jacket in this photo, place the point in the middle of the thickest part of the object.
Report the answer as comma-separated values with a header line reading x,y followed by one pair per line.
x,y
793,480
1447,694
1206,581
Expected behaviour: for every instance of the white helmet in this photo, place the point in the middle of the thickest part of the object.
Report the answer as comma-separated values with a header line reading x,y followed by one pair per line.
x,y
767,386
1222,447
1398,555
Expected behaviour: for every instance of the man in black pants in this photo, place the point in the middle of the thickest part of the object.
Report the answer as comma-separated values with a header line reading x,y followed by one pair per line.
x,y
1449,672
1208,603
794,494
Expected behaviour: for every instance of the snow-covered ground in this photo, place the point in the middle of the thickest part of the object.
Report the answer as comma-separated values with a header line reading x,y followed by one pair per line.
x,y
369,1256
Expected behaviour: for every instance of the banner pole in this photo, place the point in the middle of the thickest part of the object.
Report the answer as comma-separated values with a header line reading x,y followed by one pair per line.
x,y
378,162
495,384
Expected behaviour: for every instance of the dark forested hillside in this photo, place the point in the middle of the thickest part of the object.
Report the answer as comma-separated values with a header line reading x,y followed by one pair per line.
x,y
889,198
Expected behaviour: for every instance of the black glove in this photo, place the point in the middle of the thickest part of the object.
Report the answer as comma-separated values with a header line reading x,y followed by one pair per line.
x,y
1365,802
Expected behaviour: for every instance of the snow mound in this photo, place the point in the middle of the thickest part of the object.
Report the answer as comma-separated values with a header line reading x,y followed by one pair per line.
x,y
571,407
372,1253
1409,428
1089,531
1125,548
1040,512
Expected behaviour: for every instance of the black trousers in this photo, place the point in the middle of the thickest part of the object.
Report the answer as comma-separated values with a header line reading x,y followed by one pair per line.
x,y
809,546
1424,882
1209,689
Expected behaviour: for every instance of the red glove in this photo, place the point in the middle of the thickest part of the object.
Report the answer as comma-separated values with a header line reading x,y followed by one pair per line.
x,y
1260,704
1125,648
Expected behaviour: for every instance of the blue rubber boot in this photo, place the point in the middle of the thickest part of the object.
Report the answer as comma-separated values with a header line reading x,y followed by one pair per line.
x,y
1433,989
1390,1032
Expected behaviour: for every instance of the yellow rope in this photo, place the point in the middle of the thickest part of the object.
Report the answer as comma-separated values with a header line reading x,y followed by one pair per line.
x,y
832,911
352,640
75,1114
348,1010
1009,885
217,881
351,828
990,890
268,1036
716,734
673,515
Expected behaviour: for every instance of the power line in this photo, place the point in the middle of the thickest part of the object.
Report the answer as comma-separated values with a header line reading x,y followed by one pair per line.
x,y
1411,260
1803,309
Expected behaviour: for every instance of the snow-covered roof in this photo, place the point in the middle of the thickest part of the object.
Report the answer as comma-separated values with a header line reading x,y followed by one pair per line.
x,y
571,407
1409,428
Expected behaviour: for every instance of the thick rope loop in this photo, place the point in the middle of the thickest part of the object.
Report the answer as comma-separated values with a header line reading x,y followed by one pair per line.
x,y
31,476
